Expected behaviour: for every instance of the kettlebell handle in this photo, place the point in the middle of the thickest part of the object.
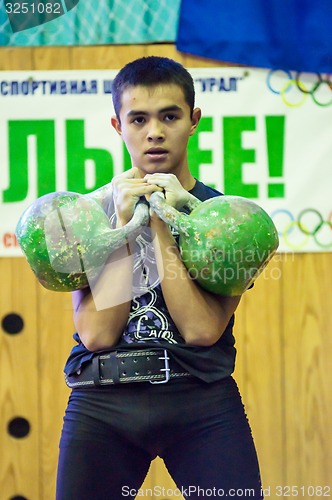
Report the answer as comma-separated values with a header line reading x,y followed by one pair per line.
x,y
177,220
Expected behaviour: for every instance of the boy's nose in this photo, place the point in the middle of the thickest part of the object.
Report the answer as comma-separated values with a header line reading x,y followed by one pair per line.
x,y
156,131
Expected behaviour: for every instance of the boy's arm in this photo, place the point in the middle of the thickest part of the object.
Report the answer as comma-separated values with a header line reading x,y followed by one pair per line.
x,y
101,311
201,317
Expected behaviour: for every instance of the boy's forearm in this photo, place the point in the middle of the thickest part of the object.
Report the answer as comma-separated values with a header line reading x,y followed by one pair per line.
x,y
101,315
200,316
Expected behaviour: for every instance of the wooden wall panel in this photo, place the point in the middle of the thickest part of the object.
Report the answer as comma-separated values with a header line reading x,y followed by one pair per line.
x,y
260,359
55,326
102,57
51,58
283,331
19,358
159,482
308,375
13,59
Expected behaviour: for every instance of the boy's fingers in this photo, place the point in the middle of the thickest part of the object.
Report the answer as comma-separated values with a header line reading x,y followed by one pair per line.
x,y
145,189
132,173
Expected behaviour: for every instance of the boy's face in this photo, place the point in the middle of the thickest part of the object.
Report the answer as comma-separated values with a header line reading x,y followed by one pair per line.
x,y
155,124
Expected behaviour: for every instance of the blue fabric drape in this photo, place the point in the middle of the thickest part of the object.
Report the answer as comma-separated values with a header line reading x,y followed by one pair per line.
x,y
291,34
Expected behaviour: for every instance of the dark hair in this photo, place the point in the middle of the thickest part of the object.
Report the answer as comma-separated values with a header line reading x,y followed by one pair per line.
x,y
150,71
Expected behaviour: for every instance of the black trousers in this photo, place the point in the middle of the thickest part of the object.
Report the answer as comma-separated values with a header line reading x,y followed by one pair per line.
x,y
111,434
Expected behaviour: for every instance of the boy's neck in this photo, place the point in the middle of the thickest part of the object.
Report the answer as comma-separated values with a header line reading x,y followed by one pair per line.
x,y
187,180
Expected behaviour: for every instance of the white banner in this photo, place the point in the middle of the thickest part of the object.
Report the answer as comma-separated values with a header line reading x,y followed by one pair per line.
x,y
264,135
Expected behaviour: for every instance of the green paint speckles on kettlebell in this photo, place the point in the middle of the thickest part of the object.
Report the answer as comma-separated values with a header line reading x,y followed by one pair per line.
x,y
67,238
225,242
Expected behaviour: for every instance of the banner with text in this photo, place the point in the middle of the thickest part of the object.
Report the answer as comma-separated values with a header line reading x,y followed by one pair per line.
x,y
264,135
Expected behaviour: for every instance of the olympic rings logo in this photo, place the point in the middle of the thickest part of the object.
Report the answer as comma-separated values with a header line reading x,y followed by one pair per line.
x,y
316,86
309,225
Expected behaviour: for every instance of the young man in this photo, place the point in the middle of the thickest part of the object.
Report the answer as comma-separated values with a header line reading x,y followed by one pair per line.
x,y
169,330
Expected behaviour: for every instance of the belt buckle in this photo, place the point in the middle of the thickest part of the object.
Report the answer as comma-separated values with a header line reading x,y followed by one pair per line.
x,y
166,369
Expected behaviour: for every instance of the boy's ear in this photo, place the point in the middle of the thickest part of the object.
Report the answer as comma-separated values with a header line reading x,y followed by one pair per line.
x,y
196,116
116,124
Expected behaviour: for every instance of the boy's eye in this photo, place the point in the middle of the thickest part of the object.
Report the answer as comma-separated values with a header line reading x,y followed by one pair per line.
x,y
139,120
170,117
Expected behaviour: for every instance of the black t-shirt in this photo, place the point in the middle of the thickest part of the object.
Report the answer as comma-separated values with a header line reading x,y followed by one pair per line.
x,y
150,324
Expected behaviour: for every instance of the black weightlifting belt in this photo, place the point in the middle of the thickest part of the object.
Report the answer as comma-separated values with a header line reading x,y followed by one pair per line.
x,y
117,367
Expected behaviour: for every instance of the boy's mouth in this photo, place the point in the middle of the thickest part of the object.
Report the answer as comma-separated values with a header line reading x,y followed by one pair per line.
x,y
156,153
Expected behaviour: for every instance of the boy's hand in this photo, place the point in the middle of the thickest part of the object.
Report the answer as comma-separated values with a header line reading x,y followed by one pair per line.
x,y
128,187
176,196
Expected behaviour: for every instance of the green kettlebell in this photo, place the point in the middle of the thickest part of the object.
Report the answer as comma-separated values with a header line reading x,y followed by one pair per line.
x,y
67,237
225,242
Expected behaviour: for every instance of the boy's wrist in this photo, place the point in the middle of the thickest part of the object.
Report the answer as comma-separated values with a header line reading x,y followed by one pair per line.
x,y
120,223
